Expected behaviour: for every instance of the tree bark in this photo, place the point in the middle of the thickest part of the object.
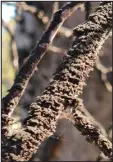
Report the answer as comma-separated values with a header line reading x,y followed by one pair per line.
x,y
67,84
10,101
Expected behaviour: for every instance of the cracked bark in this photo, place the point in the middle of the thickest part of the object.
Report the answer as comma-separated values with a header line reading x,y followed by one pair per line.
x,y
67,84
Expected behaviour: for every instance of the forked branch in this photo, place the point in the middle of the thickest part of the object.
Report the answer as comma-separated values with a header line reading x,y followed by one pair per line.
x,y
10,101
67,84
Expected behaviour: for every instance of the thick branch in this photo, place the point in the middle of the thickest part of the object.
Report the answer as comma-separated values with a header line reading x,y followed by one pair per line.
x,y
67,84
58,141
27,70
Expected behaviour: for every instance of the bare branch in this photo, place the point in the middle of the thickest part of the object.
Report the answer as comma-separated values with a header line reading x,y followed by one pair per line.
x,y
55,6
58,50
65,32
43,17
91,131
27,70
106,74
32,9
87,9
67,84
67,114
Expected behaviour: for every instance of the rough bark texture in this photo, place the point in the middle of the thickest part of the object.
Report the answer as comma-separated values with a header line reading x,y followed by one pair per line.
x,y
27,70
91,131
67,84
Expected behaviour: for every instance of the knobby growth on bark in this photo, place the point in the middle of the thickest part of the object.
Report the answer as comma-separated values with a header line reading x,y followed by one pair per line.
x,y
10,101
91,130
62,93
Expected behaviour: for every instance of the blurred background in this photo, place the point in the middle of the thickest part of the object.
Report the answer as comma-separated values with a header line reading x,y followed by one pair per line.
x,y
23,23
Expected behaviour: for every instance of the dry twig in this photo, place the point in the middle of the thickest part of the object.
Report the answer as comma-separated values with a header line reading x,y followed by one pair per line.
x,y
22,6
87,9
106,74
55,6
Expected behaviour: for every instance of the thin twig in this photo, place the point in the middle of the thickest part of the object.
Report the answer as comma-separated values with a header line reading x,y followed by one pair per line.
x,y
87,9
10,101
106,74
63,90
63,31
22,6
55,6
58,50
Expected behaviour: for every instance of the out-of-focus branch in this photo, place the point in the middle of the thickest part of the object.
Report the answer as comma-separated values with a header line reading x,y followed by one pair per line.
x,y
63,31
10,101
67,84
13,45
106,74
58,50
22,6
55,6
87,9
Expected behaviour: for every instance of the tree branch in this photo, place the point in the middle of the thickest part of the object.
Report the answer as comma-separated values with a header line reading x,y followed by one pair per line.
x,y
67,84
102,157
91,131
27,70
43,17
106,74
58,142
87,9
